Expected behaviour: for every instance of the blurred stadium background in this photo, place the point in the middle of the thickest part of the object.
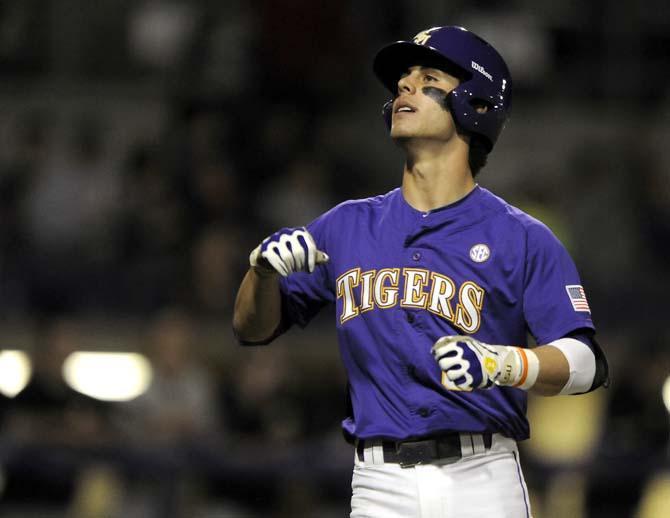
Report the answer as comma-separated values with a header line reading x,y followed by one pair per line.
x,y
147,146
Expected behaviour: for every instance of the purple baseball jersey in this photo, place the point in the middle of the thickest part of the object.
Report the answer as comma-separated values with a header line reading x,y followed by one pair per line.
x,y
400,279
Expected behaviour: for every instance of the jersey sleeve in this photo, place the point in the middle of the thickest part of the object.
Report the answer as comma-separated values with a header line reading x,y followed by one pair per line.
x,y
305,294
554,300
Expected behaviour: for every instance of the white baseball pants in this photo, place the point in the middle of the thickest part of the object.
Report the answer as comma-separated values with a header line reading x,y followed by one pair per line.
x,y
485,484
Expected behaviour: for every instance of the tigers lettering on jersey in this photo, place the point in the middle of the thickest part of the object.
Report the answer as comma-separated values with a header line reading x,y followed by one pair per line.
x,y
363,291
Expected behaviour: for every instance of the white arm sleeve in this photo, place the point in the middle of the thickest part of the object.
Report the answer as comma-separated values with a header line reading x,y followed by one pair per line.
x,y
582,363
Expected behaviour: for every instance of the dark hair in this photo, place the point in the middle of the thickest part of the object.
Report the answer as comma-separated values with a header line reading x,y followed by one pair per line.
x,y
479,153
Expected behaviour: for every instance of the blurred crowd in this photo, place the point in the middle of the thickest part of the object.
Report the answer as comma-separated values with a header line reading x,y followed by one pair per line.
x,y
205,439
149,145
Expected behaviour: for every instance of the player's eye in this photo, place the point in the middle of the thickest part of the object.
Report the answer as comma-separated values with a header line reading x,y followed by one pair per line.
x,y
429,78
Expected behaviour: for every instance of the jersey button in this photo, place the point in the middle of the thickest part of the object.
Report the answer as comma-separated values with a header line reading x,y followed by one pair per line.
x,y
424,412
410,317
416,256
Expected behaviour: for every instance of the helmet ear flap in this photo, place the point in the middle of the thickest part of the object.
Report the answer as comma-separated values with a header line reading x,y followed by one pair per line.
x,y
387,113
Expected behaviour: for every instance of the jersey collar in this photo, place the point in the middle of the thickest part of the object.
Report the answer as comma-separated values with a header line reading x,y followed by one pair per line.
x,y
464,211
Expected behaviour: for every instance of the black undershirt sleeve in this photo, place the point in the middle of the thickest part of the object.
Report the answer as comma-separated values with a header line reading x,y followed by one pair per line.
x,y
587,337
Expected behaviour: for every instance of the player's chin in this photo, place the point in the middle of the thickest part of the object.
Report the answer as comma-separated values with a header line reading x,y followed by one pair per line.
x,y
402,131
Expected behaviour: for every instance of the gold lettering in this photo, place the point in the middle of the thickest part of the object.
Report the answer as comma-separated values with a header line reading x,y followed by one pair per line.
x,y
415,281
468,310
386,296
367,303
441,292
345,290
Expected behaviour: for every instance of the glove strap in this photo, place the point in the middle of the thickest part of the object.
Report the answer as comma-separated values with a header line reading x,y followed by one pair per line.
x,y
530,368
520,368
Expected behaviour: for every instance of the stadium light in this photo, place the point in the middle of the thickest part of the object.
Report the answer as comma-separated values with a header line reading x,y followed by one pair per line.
x,y
666,393
108,376
15,371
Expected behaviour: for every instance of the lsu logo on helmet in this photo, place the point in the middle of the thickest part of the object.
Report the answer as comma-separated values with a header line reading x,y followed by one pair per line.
x,y
423,37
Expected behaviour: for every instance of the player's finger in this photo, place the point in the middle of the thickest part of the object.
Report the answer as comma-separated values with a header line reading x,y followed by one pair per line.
x,y
298,250
450,385
321,257
453,371
275,261
254,256
444,341
284,251
448,361
464,382
451,350
461,385
310,250
441,352
277,264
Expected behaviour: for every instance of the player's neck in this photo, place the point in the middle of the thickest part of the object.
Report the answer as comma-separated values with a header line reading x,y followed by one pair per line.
x,y
435,178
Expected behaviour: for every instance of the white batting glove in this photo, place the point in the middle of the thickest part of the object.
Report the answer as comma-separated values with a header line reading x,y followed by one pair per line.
x,y
469,364
287,251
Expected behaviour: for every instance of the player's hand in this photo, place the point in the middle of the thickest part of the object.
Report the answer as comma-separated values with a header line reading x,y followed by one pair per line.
x,y
287,251
470,364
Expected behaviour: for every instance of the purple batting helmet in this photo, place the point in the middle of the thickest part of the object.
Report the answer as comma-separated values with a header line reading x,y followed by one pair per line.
x,y
484,77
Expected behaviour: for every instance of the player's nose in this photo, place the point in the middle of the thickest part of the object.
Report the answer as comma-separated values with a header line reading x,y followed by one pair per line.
x,y
406,84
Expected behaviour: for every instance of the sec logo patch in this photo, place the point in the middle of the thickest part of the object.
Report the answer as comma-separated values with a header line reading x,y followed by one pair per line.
x,y
480,253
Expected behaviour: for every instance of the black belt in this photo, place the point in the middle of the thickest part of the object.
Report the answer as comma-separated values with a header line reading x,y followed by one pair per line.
x,y
446,448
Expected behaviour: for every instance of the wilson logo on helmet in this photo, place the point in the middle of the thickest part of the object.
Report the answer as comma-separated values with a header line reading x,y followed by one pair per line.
x,y
481,70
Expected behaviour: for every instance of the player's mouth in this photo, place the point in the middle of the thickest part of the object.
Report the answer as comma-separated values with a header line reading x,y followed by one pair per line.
x,y
404,107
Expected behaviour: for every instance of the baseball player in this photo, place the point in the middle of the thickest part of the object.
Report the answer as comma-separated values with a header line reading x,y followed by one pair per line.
x,y
436,286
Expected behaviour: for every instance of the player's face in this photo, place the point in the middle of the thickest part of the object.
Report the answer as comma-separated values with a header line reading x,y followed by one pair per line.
x,y
420,110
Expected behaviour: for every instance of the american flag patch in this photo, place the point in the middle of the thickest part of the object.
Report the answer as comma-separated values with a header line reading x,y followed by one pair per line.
x,y
578,298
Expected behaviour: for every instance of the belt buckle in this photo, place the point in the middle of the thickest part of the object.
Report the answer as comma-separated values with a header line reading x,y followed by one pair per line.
x,y
411,453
